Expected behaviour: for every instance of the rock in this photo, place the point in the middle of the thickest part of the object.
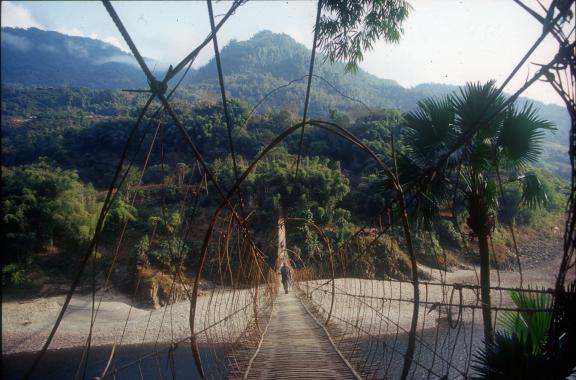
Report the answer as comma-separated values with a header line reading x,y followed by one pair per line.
x,y
159,289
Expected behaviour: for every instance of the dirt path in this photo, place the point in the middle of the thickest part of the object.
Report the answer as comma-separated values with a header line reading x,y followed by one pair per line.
x,y
540,260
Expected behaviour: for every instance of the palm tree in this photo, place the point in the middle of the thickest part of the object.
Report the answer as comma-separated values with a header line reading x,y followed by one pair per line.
x,y
478,160
518,350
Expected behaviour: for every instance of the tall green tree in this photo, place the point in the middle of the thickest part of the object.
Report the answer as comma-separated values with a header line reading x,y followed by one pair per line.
x,y
508,140
319,187
43,207
315,196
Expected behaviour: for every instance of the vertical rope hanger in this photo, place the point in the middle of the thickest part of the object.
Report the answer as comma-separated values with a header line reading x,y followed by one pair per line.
x,y
309,85
223,92
93,243
306,106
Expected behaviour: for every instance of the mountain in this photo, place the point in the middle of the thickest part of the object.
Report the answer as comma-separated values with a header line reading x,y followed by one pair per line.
x,y
268,60
34,57
252,68
267,65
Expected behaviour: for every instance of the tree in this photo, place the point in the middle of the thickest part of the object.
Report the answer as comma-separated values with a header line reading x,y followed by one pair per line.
x,y
348,28
121,212
315,196
43,206
508,140
318,187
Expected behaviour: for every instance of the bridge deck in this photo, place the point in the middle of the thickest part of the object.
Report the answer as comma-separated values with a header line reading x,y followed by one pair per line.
x,y
296,347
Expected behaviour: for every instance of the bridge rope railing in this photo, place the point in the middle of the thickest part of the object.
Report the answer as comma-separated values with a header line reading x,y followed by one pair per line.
x,y
234,287
371,313
243,248
245,300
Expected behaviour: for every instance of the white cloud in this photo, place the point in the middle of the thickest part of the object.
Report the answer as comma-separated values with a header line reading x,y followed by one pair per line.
x,y
14,15
108,39
17,16
47,48
77,49
115,42
71,31
117,59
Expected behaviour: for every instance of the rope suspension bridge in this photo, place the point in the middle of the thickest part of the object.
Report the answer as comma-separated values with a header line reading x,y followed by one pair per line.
x,y
337,321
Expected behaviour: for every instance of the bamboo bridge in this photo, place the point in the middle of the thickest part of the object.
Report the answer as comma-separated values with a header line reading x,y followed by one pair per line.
x,y
296,346
339,321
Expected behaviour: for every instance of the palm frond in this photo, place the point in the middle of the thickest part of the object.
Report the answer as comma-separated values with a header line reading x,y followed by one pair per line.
x,y
429,129
533,191
518,348
506,359
532,323
429,195
480,106
479,155
521,135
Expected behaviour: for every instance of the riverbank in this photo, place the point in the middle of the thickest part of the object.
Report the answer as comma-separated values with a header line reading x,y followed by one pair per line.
x,y
26,324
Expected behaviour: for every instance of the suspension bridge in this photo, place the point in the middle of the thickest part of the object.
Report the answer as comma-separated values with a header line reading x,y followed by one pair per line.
x,y
337,321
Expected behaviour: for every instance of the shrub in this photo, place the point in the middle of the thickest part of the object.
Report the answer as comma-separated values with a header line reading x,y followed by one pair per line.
x,y
15,276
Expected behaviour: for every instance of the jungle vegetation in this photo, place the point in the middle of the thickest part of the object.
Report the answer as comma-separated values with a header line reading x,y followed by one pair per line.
x,y
60,148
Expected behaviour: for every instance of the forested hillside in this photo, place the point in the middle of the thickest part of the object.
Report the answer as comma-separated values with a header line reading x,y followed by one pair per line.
x,y
60,148
34,57
63,137
254,69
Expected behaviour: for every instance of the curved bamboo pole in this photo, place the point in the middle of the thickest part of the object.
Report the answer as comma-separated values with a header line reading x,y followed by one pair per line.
x,y
337,130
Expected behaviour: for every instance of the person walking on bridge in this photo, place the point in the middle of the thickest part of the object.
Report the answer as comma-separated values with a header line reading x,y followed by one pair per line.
x,y
285,273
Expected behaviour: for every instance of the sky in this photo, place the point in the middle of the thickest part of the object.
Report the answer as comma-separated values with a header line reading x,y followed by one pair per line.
x,y
444,41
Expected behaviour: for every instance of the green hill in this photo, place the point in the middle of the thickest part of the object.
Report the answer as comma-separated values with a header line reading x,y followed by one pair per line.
x,y
34,57
267,62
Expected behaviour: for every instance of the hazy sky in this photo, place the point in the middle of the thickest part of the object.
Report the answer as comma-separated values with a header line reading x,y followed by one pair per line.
x,y
445,41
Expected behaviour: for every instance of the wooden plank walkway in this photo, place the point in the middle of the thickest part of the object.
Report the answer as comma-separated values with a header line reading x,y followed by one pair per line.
x,y
295,346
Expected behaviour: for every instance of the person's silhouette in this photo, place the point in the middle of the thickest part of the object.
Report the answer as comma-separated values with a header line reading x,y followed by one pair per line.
x,y
285,272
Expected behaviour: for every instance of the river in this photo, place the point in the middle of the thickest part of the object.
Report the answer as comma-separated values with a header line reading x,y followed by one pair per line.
x,y
62,364
451,345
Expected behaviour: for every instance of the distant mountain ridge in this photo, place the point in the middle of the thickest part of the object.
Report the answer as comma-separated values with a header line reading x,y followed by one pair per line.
x,y
280,55
34,57
252,69
268,60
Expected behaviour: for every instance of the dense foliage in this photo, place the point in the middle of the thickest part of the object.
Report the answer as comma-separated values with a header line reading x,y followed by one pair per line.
x,y
67,140
44,209
43,204
261,66
83,131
